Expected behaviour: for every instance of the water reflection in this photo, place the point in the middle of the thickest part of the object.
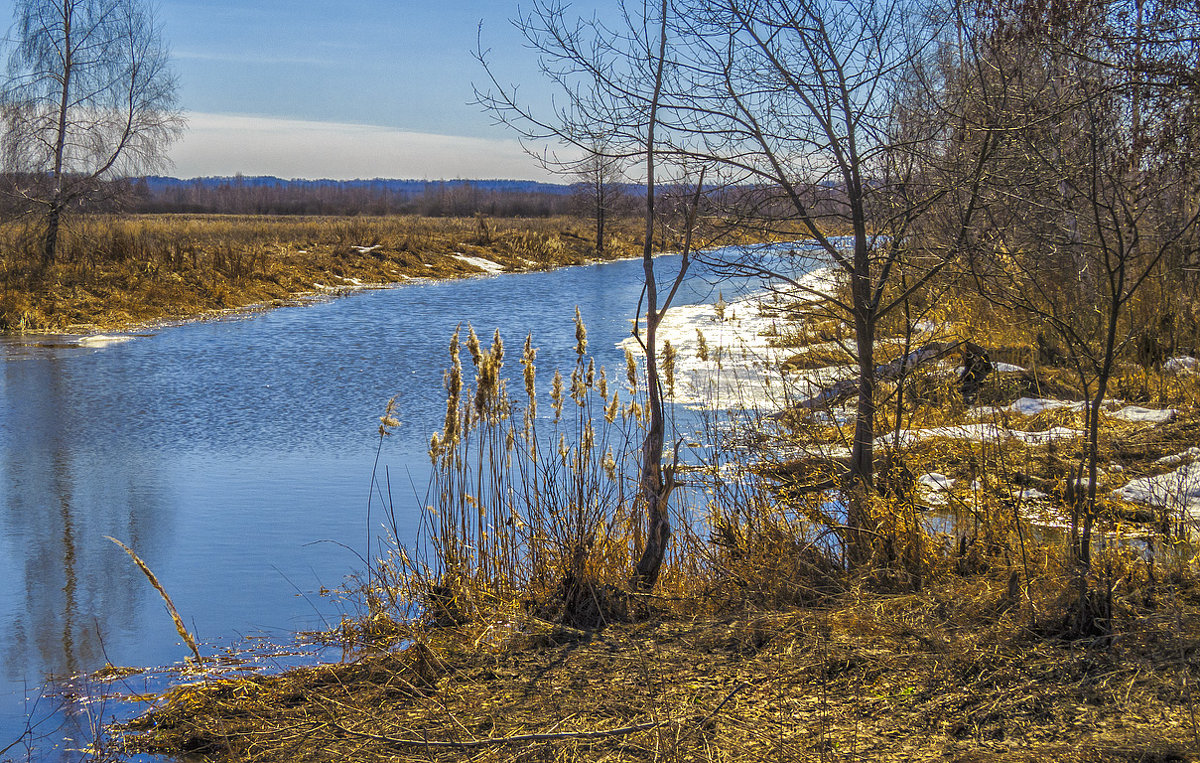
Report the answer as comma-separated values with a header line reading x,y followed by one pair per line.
x,y
59,502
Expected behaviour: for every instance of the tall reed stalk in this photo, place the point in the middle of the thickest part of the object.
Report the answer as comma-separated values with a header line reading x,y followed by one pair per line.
x,y
528,503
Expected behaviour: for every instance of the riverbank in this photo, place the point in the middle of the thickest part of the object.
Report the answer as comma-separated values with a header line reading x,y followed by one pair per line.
x,y
134,272
963,638
956,673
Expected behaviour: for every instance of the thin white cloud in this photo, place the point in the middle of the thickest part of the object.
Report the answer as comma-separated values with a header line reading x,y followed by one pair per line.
x,y
249,58
221,144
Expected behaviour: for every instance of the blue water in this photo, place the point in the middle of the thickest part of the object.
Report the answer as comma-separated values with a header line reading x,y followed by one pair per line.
x,y
224,453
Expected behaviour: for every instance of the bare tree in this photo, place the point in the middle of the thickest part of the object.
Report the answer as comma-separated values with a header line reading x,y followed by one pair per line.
x,y
792,106
801,100
1088,199
599,174
90,97
617,82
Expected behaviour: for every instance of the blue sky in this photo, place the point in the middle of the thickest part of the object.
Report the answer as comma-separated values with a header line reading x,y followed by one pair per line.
x,y
359,88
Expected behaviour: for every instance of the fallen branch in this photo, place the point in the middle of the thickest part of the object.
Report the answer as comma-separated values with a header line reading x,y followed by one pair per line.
x,y
847,388
498,741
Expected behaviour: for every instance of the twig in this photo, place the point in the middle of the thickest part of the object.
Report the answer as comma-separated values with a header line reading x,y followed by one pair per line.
x,y
705,720
497,741
174,613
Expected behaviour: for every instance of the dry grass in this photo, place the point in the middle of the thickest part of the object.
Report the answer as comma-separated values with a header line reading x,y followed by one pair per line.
x,y
122,272
954,673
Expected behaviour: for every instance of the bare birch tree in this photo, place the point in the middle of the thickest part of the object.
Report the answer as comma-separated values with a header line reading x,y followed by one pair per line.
x,y
90,97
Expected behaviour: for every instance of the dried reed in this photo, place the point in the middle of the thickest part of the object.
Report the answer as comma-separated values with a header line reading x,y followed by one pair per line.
x,y
179,626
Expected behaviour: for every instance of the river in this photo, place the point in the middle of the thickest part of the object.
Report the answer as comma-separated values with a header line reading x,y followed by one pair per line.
x,y
235,457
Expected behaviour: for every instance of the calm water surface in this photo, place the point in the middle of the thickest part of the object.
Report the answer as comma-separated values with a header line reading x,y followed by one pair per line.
x,y
224,453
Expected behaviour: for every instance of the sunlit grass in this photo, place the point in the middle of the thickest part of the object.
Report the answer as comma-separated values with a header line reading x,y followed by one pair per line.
x,y
116,272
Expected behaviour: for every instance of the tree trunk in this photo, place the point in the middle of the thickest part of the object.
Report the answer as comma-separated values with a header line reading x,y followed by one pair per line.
x,y
54,217
862,455
653,488
50,237
600,226
654,491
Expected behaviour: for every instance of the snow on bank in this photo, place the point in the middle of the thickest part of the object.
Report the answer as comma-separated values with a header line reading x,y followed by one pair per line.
x,y
103,340
1189,455
1185,364
1177,489
725,357
982,433
485,265
1140,415
1032,406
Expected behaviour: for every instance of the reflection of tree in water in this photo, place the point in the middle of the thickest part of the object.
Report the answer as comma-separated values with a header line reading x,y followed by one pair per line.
x,y
59,503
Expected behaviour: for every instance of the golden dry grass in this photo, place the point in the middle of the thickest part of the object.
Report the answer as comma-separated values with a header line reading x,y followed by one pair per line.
x,y
955,673
123,272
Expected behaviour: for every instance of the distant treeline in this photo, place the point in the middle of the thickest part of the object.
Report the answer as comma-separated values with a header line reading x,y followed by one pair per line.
x,y
266,195
274,196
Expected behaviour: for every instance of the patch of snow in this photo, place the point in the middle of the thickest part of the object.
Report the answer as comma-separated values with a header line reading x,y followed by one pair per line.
x,y
983,433
935,482
366,249
485,265
833,418
1187,456
103,340
1184,364
1029,494
1044,516
1032,406
928,327
1006,368
740,366
1179,488
1141,415
1082,482
817,284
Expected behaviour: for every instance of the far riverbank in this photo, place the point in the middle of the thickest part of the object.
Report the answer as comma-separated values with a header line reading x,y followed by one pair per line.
x,y
131,273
